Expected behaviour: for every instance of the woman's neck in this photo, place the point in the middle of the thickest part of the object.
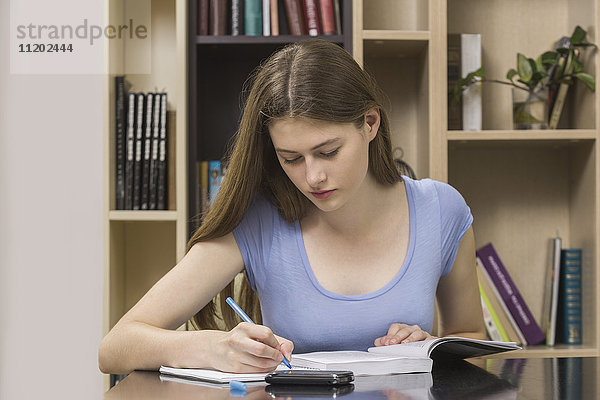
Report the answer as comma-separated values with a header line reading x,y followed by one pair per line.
x,y
373,206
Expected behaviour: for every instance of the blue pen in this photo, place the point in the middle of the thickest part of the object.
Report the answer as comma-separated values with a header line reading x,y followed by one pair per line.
x,y
246,318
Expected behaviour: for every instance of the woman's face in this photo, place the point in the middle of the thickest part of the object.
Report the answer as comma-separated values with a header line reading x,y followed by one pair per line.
x,y
327,162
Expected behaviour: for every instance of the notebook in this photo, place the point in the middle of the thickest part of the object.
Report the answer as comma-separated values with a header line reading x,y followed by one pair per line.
x,y
212,376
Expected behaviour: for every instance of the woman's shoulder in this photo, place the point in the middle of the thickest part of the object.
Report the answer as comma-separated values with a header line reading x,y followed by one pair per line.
x,y
428,190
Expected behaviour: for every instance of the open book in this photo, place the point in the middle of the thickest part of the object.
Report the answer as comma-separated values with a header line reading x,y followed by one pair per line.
x,y
446,348
395,359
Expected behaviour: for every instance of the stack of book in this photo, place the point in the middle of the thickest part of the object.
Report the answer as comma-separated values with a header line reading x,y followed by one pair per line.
x,y
506,314
269,17
141,149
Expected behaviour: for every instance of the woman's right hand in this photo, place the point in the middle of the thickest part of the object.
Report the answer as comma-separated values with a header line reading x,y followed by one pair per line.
x,y
250,348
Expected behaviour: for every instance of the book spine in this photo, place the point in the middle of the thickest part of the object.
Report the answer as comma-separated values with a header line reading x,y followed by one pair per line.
x,y
162,156
454,73
471,102
338,17
204,186
295,19
266,17
253,17
326,7
237,17
274,18
130,155
202,28
498,333
147,147
153,184
218,17
510,294
490,325
559,102
120,142
311,17
510,325
137,164
570,296
282,18
214,180
555,279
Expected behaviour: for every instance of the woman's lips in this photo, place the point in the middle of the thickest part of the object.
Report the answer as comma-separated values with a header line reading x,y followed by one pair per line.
x,y
323,194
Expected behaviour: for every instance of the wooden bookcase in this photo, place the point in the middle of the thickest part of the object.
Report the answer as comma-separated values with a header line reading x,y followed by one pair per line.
x,y
521,185
141,246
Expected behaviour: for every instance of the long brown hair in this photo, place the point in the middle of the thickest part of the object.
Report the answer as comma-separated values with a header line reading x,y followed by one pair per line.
x,y
312,79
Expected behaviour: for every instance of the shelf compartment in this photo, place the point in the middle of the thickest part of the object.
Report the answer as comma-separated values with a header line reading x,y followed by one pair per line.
x,y
141,253
396,14
519,196
396,48
145,215
507,28
400,68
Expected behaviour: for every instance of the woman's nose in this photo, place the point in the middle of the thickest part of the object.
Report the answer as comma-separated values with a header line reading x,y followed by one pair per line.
x,y
315,174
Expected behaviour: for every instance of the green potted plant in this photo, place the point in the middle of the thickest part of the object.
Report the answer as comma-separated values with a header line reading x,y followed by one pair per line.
x,y
536,83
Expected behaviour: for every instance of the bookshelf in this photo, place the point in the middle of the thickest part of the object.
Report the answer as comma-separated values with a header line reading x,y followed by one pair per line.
x,y
218,68
548,179
520,185
141,246
528,184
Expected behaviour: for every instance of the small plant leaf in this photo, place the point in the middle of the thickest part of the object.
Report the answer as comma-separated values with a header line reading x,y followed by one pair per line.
x,y
578,36
589,80
524,68
511,73
549,58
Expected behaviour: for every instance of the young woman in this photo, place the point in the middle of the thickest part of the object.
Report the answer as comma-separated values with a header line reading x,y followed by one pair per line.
x,y
341,251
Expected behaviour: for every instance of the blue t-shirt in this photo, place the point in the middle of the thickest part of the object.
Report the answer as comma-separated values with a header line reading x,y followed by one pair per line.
x,y
295,306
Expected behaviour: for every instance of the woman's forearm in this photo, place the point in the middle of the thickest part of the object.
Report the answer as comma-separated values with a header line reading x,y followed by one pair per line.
x,y
135,345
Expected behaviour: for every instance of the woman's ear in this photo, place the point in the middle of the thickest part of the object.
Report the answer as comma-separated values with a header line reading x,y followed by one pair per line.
x,y
372,119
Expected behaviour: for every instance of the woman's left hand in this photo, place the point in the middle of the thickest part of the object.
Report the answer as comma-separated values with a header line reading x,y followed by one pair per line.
x,y
402,333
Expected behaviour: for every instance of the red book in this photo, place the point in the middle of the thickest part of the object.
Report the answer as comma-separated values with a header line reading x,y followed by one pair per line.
x,y
311,17
293,10
327,18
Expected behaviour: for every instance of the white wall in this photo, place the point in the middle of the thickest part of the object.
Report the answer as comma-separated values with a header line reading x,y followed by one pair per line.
x,y
50,232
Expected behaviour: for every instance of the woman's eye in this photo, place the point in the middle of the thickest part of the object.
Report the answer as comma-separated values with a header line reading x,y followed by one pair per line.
x,y
331,153
292,161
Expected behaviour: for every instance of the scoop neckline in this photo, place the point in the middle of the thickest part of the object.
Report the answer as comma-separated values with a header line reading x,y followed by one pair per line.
x,y
384,288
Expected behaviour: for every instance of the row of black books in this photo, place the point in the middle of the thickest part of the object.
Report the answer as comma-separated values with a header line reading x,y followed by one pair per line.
x,y
506,313
141,149
269,17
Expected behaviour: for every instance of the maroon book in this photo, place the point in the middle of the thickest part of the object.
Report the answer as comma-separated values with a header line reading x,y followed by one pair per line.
x,y
311,17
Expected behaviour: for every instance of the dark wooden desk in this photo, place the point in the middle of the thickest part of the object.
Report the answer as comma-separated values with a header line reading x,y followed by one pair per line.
x,y
548,378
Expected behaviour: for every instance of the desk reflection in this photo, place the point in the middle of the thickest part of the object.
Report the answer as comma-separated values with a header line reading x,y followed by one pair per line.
x,y
570,378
